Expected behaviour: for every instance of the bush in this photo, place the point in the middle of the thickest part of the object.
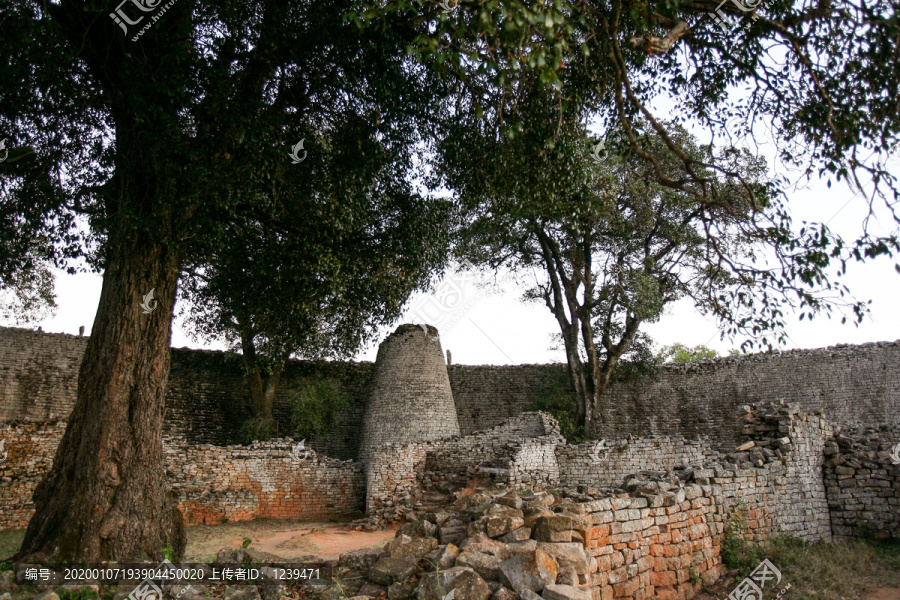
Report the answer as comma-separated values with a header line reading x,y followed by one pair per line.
x,y
315,406
258,429
557,399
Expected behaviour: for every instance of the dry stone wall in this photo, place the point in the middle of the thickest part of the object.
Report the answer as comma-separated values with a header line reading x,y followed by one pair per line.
x,y
207,399
862,480
212,484
854,385
586,464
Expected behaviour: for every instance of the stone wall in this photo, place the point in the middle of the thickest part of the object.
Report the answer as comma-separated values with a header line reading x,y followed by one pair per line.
x,y
854,385
215,484
395,471
29,449
210,483
627,455
862,481
207,399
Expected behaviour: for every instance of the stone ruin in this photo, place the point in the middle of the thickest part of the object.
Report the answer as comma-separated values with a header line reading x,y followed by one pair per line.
x,y
513,512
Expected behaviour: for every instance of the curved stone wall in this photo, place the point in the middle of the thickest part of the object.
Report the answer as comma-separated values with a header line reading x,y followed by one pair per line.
x,y
410,399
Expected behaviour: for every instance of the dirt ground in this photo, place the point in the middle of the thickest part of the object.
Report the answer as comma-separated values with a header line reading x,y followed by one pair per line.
x,y
287,539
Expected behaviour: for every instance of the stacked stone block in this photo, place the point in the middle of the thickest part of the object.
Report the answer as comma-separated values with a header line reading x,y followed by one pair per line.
x,y
410,399
862,479
212,484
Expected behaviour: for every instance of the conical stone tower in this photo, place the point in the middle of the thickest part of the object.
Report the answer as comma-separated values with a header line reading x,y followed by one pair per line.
x,y
410,399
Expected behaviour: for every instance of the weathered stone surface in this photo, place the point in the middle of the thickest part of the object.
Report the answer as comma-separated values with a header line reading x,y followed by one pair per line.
x,y
463,583
571,553
390,570
528,571
371,589
516,535
745,446
360,559
411,549
554,591
482,543
442,557
567,575
504,593
557,528
525,546
486,565
48,595
400,591
422,528
503,521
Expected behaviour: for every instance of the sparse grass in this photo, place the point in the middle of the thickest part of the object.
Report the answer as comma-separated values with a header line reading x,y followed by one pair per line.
x,y
820,571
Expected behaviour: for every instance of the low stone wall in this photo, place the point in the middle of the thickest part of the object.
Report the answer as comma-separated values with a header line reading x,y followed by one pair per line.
x,y
585,464
215,484
394,471
211,484
862,482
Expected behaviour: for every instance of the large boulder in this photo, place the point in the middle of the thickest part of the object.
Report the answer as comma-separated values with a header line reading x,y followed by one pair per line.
x,y
360,559
458,583
409,548
553,591
389,570
571,554
484,544
529,571
557,528
486,565
441,558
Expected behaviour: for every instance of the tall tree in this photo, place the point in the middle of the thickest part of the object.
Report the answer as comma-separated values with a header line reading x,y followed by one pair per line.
x,y
322,288
614,247
143,121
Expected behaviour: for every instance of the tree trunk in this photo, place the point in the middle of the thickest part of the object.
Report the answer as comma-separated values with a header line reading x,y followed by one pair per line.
x,y
262,388
106,496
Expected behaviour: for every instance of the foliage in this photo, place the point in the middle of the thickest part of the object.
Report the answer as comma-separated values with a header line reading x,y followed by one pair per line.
x,y
26,292
822,78
315,407
679,353
608,247
556,398
258,429
167,552
737,552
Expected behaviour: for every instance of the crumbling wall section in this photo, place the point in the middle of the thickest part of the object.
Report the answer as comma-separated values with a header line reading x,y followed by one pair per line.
x,y
216,484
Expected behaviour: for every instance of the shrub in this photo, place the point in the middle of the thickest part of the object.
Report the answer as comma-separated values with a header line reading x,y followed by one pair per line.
x,y
315,407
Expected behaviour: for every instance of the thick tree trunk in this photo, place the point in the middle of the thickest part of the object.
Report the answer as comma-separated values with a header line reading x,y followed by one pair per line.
x,y
106,496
